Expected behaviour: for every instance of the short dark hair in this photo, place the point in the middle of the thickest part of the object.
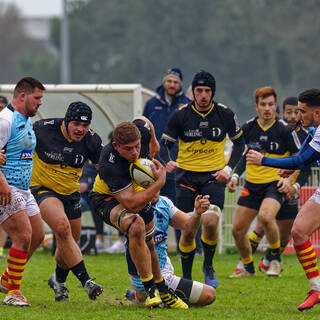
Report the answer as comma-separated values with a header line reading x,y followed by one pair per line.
x,y
4,100
126,132
310,97
27,85
292,101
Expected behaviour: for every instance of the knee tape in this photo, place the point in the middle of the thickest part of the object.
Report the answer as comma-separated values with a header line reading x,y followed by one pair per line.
x,y
213,209
149,234
123,214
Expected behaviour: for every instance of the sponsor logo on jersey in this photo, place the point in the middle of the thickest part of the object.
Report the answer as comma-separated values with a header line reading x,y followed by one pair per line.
x,y
26,155
193,133
111,158
159,237
216,132
201,151
48,122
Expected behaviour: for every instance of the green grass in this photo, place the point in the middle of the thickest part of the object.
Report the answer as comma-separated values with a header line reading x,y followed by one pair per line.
x,y
247,298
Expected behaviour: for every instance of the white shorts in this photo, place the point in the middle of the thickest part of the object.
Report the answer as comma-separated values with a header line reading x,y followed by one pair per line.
x,y
20,200
316,196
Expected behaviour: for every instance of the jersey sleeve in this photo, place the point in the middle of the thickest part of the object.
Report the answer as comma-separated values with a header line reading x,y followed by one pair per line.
x,y
117,180
315,142
145,136
5,132
292,140
235,130
95,146
172,208
172,131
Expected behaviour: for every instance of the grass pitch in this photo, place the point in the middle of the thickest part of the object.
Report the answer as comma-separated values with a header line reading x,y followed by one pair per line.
x,y
246,298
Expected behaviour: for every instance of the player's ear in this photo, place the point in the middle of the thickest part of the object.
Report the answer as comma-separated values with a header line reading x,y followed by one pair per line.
x,y
114,144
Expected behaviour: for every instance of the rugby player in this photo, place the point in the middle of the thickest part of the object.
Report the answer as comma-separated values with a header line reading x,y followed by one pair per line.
x,y
19,212
116,199
63,147
307,220
291,188
201,128
165,214
260,195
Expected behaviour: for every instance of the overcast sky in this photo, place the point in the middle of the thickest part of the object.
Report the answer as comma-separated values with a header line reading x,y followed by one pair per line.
x,y
38,7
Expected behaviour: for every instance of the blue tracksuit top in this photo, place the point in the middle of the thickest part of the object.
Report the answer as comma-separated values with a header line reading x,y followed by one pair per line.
x,y
159,112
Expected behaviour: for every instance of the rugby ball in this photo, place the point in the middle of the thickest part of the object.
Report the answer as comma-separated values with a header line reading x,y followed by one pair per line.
x,y
141,172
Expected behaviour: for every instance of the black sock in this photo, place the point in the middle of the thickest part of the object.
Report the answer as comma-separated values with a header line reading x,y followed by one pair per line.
x,y
273,254
61,274
162,287
148,283
80,272
187,260
249,267
208,251
254,239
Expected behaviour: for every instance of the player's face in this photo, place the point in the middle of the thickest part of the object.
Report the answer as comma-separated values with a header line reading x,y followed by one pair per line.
x,y
202,97
32,102
129,151
291,114
309,116
266,108
77,130
171,85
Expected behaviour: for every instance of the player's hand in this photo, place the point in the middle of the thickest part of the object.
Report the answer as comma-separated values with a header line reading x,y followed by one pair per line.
x,y
201,204
221,176
154,147
3,158
172,165
254,157
5,193
159,171
284,186
232,184
285,173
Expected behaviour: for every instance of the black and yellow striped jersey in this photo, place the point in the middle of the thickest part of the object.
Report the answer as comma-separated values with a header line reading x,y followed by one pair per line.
x,y
277,140
202,136
58,161
114,174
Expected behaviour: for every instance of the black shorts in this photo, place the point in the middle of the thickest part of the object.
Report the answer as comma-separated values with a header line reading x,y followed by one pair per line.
x,y
288,210
71,202
102,204
253,194
189,184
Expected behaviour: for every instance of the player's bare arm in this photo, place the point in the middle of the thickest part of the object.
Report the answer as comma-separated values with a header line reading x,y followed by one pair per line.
x,y
5,191
136,201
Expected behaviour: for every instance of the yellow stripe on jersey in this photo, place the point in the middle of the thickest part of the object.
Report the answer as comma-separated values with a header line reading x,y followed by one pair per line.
x,y
262,174
201,157
60,179
101,187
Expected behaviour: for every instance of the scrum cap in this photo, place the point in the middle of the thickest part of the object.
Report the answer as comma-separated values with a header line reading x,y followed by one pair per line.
x,y
204,78
78,111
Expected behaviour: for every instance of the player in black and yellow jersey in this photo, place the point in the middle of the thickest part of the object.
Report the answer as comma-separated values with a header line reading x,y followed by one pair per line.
x,y
63,146
260,195
201,128
290,186
126,207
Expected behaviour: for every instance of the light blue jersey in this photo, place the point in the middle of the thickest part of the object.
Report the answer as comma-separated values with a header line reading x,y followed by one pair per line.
x,y
18,139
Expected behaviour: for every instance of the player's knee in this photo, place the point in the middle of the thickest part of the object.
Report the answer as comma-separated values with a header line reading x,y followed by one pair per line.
x,y
298,235
137,229
238,230
62,230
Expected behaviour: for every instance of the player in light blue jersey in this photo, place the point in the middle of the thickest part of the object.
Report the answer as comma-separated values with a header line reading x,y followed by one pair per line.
x,y
19,212
308,218
165,214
